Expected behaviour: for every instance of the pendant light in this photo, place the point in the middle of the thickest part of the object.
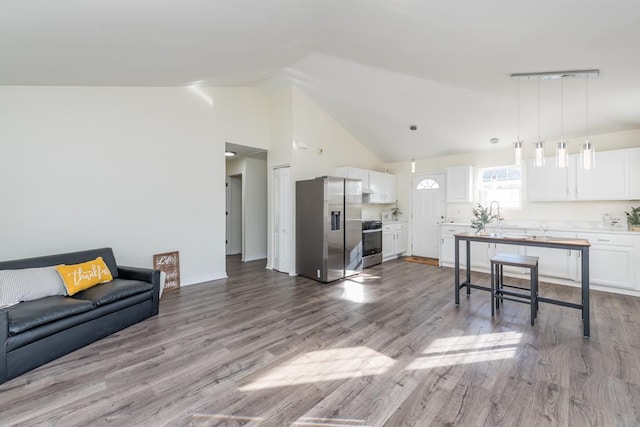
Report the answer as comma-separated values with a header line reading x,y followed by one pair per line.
x,y
494,177
517,146
562,154
413,160
587,150
538,146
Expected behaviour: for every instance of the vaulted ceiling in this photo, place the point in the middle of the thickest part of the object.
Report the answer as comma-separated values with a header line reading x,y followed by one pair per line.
x,y
377,66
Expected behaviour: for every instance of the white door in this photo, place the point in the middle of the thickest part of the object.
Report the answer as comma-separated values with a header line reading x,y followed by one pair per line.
x,y
427,211
282,213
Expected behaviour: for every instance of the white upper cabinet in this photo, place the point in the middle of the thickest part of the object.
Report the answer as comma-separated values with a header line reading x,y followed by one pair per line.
x,y
390,188
616,176
379,186
383,187
459,186
376,181
356,173
550,183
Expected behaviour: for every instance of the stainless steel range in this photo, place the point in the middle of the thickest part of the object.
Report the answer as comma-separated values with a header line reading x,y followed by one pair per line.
x,y
371,243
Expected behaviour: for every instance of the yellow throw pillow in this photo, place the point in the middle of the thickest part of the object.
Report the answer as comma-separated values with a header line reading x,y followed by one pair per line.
x,y
78,277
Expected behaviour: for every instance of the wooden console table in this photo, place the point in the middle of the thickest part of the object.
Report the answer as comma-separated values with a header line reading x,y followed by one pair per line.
x,y
581,245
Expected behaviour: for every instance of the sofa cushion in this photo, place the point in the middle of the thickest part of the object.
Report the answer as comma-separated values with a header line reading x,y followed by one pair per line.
x,y
48,331
78,277
29,284
31,314
115,290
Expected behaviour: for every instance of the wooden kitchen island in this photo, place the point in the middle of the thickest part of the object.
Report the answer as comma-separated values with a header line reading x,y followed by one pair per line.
x,y
581,245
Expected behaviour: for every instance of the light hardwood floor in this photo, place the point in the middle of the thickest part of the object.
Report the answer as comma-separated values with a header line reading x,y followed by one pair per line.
x,y
387,348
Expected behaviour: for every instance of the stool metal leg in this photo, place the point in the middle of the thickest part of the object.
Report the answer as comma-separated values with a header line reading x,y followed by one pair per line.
x,y
533,290
500,283
536,292
493,296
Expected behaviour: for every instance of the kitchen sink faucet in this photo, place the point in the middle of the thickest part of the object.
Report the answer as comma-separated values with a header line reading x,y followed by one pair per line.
x,y
499,217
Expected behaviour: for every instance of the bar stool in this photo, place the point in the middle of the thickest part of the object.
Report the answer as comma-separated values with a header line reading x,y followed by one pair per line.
x,y
498,293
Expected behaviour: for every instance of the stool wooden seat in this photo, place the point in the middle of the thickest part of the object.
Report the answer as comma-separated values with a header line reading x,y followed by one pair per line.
x,y
498,293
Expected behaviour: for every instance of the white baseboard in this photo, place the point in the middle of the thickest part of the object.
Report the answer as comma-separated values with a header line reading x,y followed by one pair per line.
x,y
254,257
201,279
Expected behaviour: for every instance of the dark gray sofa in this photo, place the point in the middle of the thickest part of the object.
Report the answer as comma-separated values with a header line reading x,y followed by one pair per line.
x,y
33,333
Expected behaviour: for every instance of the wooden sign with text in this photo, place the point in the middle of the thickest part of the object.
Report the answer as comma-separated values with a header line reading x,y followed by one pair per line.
x,y
169,263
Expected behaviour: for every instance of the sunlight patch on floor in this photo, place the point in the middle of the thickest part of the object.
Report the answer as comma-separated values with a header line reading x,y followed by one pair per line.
x,y
227,417
363,277
469,349
329,422
302,421
353,292
325,365
355,288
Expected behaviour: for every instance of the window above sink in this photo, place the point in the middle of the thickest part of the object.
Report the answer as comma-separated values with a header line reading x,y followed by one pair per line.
x,y
502,184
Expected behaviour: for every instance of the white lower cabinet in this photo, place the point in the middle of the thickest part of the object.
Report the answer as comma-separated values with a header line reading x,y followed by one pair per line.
x,y
560,263
447,242
481,252
613,260
394,240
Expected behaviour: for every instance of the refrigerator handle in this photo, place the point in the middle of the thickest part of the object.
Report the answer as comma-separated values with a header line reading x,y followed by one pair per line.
x,y
335,220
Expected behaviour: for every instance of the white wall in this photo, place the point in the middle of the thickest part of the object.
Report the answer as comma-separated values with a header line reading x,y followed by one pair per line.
x,y
240,115
137,169
254,201
279,154
234,166
329,144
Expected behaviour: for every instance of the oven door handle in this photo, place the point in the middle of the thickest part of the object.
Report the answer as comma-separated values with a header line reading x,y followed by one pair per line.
x,y
379,230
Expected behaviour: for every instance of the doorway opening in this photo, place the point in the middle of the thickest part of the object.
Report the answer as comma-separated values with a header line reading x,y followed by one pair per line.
x,y
246,203
234,215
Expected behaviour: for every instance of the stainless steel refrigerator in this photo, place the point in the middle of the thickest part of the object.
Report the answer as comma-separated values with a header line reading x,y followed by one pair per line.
x,y
328,228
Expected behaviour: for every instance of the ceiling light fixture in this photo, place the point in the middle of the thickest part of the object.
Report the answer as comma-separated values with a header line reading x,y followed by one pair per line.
x,y
228,153
413,160
587,151
554,75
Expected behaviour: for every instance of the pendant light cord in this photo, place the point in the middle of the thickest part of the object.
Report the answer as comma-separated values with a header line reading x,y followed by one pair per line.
x,y
518,108
538,108
561,110
587,108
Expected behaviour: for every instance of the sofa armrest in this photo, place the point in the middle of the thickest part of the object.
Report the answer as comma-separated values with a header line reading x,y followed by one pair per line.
x,y
144,275
4,334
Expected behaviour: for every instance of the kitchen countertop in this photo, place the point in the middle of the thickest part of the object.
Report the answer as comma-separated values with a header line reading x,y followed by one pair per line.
x,y
550,228
400,221
561,241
